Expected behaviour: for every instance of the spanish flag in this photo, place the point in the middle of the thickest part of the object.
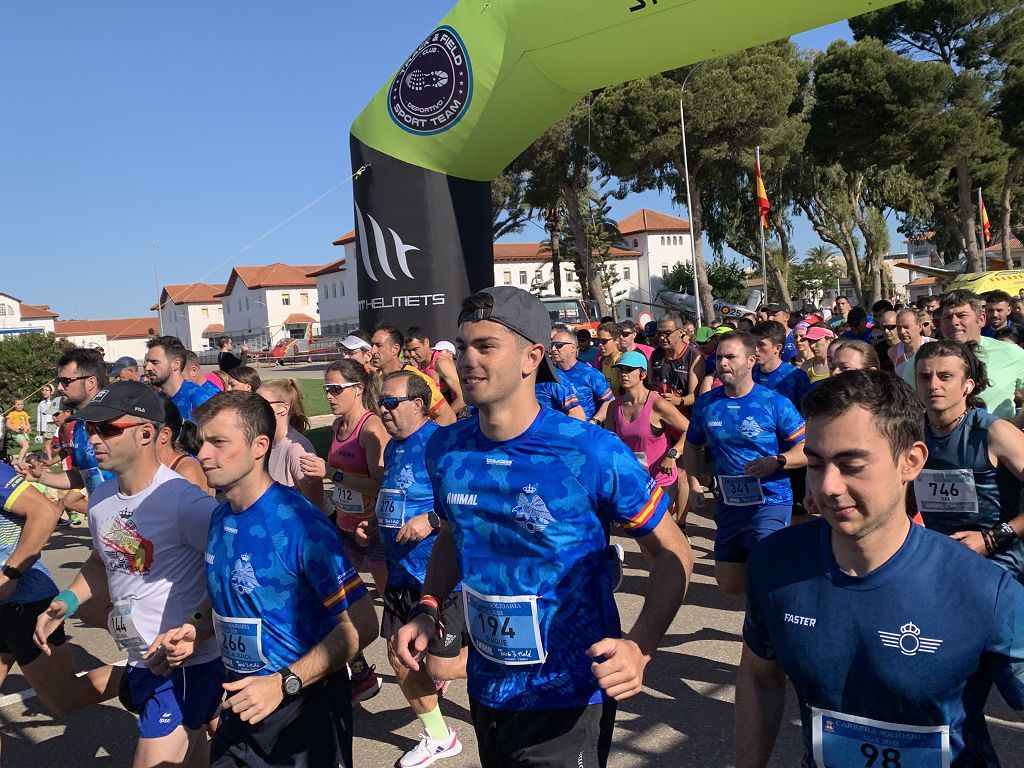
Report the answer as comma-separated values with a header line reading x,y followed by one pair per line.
x,y
763,206
986,225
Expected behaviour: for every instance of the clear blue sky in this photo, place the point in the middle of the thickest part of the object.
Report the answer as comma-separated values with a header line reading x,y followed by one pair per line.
x,y
197,125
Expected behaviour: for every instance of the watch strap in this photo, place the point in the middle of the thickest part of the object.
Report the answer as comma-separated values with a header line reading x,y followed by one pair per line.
x,y
11,572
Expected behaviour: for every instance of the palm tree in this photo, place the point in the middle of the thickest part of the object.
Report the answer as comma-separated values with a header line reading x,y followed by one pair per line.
x,y
820,256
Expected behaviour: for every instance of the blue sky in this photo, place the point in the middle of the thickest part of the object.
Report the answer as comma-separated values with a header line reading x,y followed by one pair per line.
x,y
196,125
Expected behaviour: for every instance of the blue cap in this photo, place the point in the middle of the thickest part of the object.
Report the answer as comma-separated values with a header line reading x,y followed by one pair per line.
x,y
121,363
632,359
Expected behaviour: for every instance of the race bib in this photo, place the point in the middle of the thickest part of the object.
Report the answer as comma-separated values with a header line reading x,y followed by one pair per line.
x,y
946,490
740,490
504,629
641,456
92,477
241,643
840,741
391,508
347,501
122,627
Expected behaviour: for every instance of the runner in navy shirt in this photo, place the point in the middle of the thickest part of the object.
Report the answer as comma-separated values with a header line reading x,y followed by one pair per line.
x,y
165,369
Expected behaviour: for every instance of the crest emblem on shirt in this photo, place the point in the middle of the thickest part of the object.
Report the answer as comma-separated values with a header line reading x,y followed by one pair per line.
x,y
243,577
531,512
406,478
909,641
750,428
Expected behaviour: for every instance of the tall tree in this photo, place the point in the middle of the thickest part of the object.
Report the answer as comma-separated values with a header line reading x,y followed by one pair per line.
x,y
509,210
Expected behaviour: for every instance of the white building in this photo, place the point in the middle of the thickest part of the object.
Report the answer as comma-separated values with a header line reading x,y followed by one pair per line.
x,y
337,291
652,243
263,305
17,317
124,337
192,312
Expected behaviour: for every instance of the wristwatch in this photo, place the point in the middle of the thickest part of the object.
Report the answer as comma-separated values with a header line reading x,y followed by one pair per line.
x,y
1003,537
781,460
290,682
11,572
672,453
434,519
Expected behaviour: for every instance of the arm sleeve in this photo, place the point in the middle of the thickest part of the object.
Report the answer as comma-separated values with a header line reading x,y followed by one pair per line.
x,y
1006,642
326,568
628,493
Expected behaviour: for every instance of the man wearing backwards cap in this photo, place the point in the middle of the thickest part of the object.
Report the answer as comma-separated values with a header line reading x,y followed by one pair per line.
x,y
125,369
149,527
526,497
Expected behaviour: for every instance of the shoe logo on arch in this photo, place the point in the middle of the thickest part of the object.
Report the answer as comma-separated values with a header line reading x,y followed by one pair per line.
x,y
380,245
462,499
909,641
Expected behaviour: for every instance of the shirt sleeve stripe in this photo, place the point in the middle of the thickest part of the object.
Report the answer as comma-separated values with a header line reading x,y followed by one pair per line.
x,y
344,591
607,397
641,518
796,436
13,497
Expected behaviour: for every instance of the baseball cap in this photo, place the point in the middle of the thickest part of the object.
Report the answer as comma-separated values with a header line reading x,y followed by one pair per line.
x,y
813,318
123,398
857,315
353,343
815,333
444,346
632,359
521,312
121,363
771,309
702,334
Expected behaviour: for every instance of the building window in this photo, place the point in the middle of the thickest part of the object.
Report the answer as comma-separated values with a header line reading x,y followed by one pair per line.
x,y
636,242
569,275
629,310
675,240
303,299
334,290
286,300
625,273
522,277
204,312
664,270
246,303
662,239
5,310
507,278
342,288
239,305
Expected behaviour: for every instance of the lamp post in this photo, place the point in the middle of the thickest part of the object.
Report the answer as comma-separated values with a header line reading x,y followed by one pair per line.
x,y
689,207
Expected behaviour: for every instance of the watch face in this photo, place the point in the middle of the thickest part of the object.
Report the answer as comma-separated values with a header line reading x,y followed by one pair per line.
x,y
292,685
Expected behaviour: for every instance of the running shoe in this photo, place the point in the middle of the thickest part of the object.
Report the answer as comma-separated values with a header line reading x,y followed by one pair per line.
x,y
74,518
430,750
365,685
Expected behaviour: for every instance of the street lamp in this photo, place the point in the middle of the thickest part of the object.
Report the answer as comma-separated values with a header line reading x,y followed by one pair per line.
x,y
689,207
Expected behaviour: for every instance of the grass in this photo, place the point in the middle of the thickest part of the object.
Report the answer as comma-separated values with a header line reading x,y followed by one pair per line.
x,y
313,397
321,440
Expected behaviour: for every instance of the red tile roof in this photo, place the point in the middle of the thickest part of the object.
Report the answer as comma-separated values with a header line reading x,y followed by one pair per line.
x,y
32,312
1015,245
330,269
921,282
646,220
190,293
533,252
348,237
298,317
276,275
122,328
214,328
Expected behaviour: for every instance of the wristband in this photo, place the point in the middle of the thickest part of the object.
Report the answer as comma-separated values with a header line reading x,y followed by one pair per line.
x,y
69,598
429,606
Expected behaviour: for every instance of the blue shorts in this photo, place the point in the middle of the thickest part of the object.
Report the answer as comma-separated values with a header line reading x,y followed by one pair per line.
x,y
737,535
189,696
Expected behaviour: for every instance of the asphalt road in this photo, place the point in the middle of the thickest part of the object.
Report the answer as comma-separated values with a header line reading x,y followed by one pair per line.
x,y
684,718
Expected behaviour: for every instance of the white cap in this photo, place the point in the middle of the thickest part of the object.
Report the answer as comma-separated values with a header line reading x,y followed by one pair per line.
x,y
354,343
444,346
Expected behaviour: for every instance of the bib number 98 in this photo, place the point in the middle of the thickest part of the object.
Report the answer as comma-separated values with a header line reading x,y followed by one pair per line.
x,y
883,758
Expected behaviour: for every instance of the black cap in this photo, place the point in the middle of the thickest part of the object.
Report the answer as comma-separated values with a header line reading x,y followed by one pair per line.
x,y
123,398
857,315
771,309
519,311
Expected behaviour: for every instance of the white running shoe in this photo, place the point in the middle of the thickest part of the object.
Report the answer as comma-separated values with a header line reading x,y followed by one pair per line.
x,y
429,750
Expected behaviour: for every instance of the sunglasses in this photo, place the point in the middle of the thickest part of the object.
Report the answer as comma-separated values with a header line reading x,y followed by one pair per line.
x,y
666,334
333,390
604,341
65,381
560,344
108,429
390,403
888,327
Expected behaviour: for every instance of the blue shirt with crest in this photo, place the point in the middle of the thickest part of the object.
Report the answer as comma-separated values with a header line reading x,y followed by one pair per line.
x,y
589,384
35,583
531,516
554,394
189,397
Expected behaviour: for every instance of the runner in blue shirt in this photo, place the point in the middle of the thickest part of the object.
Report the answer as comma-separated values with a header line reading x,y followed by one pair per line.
x,y
559,397
587,382
408,528
527,497
878,622
754,434
770,371
287,607
165,369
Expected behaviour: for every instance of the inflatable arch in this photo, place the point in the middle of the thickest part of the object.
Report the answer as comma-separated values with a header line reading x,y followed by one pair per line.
x,y
483,85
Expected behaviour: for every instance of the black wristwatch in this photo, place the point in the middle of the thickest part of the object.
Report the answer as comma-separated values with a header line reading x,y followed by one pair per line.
x,y
11,572
781,460
434,519
1003,537
672,453
290,682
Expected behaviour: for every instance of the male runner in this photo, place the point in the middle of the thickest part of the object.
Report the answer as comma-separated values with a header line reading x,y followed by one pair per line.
x,y
526,498
165,370
591,389
789,381
408,528
386,343
780,313
288,609
672,362
754,434
878,622
629,340
125,369
148,531
357,347
227,360
997,312
436,364
607,338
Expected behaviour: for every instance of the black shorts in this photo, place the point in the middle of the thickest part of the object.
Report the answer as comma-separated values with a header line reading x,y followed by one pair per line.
x,y
312,730
399,601
579,737
17,623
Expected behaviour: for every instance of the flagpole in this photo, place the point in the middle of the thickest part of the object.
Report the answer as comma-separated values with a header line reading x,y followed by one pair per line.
x,y
760,228
689,209
981,231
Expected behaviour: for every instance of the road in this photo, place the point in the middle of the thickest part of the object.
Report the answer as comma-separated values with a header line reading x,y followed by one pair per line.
x,y
683,719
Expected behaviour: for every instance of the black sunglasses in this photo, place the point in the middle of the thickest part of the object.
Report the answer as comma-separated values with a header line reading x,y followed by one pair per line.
x,y
65,381
390,403
560,344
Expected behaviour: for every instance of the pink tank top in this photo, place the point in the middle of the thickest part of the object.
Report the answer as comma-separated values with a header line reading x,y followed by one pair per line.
x,y
431,371
348,456
649,448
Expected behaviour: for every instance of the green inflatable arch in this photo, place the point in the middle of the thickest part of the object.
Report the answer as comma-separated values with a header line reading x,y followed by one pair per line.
x,y
483,85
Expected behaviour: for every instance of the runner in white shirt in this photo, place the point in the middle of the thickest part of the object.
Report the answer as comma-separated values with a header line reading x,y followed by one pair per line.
x,y
149,528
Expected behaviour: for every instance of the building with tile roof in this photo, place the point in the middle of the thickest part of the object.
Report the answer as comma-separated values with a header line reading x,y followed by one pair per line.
x,y
193,312
260,303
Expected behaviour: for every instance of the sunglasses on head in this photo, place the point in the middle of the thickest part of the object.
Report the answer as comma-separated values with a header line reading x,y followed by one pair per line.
x,y
65,381
334,390
108,429
390,403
